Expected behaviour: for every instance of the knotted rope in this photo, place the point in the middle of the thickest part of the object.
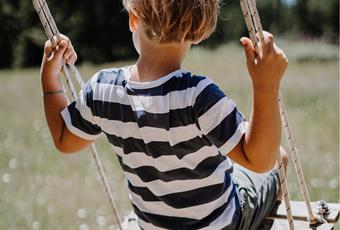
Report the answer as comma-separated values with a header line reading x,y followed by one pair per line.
x,y
53,34
254,26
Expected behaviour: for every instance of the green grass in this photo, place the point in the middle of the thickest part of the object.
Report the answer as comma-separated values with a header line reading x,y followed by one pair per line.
x,y
41,188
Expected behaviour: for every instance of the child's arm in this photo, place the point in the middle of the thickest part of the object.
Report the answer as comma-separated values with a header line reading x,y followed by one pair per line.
x,y
258,149
54,98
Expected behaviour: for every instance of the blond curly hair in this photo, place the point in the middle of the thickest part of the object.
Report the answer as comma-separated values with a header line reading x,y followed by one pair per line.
x,y
168,21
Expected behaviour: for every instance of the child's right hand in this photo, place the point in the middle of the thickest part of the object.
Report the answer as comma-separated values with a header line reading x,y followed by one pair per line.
x,y
267,68
54,59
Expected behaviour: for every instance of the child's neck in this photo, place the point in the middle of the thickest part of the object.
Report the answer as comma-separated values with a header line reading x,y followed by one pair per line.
x,y
156,61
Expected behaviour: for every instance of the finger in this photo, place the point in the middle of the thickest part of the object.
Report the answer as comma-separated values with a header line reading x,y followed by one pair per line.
x,y
57,39
60,38
279,51
268,45
72,59
69,52
69,49
60,49
64,37
248,49
283,56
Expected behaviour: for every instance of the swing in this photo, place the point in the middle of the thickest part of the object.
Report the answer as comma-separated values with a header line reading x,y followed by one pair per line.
x,y
52,32
321,216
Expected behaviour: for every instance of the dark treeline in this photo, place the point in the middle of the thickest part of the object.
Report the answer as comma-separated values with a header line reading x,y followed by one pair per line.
x,y
99,29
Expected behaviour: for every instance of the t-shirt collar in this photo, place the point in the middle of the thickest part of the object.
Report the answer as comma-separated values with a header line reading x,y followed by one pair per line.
x,y
149,84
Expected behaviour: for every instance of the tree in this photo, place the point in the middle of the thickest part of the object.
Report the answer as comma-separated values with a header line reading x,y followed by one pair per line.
x,y
99,29
8,31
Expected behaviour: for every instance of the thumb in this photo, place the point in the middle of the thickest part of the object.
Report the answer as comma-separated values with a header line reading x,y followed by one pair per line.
x,y
248,49
60,49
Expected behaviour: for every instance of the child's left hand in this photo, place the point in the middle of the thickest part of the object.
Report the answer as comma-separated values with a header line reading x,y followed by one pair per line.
x,y
55,58
267,68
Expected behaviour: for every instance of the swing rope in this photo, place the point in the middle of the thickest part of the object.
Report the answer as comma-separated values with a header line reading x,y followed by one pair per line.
x,y
53,34
254,26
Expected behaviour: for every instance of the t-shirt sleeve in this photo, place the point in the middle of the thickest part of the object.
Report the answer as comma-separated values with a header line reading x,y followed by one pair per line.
x,y
218,118
79,115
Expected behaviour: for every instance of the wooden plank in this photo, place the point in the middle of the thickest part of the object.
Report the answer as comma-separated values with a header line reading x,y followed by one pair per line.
x,y
282,224
300,211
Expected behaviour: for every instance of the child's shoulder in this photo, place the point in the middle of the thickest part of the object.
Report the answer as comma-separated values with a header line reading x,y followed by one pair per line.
x,y
115,76
182,81
198,81
192,79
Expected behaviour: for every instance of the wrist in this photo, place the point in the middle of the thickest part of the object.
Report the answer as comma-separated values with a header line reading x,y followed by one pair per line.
x,y
266,87
265,94
48,73
50,69
53,92
50,81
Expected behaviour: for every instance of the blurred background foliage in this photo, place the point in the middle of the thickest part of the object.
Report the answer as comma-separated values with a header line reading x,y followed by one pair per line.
x,y
41,189
99,29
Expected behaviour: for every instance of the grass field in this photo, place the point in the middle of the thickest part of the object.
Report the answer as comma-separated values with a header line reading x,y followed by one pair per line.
x,y
42,189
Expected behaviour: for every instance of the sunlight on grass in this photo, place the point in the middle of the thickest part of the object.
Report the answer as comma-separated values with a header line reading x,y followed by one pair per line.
x,y
42,189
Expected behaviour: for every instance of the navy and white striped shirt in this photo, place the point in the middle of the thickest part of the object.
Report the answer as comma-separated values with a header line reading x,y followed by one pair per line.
x,y
171,137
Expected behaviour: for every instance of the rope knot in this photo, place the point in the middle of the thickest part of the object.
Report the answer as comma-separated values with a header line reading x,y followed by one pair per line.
x,y
320,210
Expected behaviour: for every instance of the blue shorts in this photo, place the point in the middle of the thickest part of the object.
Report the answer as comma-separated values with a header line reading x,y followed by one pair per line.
x,y
257,194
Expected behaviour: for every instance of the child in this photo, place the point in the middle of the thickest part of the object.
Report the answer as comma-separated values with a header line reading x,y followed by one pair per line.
x,y
175,132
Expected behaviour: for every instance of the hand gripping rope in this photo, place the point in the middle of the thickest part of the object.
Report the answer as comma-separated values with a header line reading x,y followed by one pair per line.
x,y
53,34
253,23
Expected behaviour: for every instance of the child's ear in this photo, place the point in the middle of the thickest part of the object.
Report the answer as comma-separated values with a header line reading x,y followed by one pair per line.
x,y
133,22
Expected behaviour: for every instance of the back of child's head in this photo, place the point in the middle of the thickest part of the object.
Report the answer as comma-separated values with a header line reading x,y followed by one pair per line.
x,y
168,21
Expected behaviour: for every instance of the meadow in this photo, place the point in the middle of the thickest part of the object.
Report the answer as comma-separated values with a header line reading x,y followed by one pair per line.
x,y
43,189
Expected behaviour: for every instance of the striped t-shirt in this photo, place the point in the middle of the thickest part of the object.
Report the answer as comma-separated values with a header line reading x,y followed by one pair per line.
x,y
171,137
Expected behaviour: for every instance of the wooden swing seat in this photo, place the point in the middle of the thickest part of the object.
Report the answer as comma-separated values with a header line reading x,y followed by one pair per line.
x,y
301,217
279,216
